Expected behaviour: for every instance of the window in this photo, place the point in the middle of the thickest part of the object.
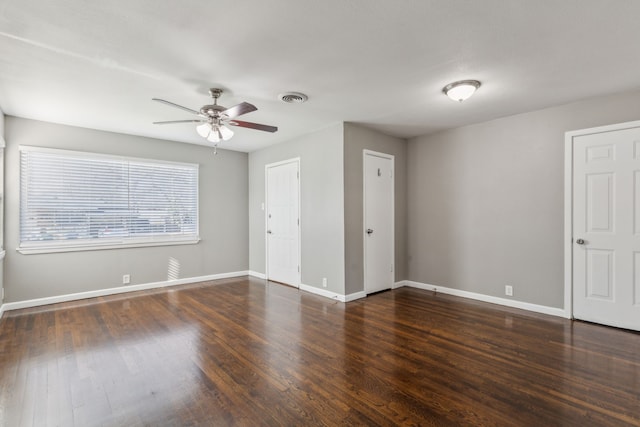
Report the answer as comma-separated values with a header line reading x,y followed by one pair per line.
x,y
78,201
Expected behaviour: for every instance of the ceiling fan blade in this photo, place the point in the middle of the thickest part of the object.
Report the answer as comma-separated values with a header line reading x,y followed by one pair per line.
x,y
171,104
251,125
240,109
178,121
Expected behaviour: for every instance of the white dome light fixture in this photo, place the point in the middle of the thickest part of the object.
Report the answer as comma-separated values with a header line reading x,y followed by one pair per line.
x,y
461,90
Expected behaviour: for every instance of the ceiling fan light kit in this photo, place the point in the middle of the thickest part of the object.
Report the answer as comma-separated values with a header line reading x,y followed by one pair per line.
x,y
204,130
214,119
214,133
461,90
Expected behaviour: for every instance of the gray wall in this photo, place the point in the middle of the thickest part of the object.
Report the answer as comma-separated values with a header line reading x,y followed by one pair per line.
x,y
321,205
357,139
485,202
2,118
223,217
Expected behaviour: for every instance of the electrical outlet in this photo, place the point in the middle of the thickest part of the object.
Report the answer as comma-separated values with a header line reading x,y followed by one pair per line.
x,y
508,290
324,282
126,279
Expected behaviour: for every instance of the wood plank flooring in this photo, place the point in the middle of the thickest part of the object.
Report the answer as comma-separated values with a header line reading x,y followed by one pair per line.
x,y
246,352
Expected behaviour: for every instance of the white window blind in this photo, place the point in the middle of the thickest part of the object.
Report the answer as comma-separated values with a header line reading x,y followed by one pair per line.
x,y
74,201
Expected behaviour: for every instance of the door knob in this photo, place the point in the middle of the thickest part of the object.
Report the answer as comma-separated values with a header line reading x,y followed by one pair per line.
x,y
268,231
369,231
580,241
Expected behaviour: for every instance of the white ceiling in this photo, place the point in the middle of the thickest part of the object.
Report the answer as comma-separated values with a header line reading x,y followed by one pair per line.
x,y
380,63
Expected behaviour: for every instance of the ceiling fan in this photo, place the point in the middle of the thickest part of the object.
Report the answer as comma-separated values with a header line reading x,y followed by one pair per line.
x,y
215,118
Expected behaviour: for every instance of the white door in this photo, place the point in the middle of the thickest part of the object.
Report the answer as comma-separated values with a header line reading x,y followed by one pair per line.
x,y
283,222
606,227
378,221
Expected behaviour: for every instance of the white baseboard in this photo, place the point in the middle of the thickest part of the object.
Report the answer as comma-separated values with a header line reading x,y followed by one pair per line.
x,y
344,298
256,274
354,296
311,289
560,312
399,284
332,295
112,291
321,292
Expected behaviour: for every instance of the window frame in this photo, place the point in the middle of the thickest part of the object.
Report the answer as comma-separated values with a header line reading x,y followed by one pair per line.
x,y
102,243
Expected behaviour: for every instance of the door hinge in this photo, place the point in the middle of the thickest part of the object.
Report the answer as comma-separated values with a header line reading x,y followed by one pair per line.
x,y
298,269
298,222
298,175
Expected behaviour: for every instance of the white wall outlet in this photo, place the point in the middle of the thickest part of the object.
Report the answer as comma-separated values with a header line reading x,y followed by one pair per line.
x,y
508,290
126,279
324,282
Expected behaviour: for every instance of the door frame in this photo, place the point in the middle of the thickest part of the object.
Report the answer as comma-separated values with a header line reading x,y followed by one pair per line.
x,y
266,219
568,204
391,157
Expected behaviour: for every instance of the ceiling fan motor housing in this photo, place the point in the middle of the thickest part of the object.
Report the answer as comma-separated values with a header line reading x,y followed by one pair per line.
x,y
212,110
215,109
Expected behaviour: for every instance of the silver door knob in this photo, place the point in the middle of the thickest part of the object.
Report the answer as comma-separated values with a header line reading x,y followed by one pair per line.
x,y
369,231
580,241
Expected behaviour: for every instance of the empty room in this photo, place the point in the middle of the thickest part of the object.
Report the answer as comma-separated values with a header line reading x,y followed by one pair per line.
x,y
297,212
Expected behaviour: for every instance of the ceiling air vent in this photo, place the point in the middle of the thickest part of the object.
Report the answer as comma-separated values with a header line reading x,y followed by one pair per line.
x,y
293,97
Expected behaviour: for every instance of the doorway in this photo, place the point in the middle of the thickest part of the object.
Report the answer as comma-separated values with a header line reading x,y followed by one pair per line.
x,y
378,221
282,221
602,217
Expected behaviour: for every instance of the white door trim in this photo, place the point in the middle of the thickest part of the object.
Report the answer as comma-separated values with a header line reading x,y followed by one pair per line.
x,y
391,157
568,204
266,204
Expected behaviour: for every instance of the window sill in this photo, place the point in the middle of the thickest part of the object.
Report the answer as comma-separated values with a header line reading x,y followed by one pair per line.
x,y
79,248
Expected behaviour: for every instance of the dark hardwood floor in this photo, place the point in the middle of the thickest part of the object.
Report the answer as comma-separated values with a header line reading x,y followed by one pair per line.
x,y
245,352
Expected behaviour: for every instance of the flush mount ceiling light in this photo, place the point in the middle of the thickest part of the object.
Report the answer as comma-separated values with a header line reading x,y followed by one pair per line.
x,y
461,90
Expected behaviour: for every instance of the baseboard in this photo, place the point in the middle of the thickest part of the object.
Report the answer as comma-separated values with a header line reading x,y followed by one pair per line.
x,y
256,274
399,284
311,289
559,312
354,296
332,295
112,291
321,292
